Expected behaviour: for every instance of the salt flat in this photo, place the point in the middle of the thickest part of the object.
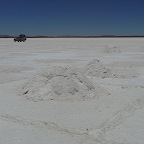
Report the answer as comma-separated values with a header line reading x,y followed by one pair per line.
x,y
72,91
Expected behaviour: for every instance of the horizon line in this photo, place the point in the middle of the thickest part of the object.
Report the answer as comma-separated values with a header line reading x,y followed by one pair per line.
x,y
72,36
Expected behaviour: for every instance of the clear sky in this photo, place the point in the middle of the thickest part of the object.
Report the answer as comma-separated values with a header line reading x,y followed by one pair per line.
x,y
72,17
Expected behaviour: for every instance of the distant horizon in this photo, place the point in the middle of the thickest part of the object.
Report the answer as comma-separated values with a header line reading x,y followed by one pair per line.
x,y
70,36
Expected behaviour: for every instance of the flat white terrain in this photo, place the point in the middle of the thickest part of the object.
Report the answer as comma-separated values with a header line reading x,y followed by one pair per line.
x,y
72,91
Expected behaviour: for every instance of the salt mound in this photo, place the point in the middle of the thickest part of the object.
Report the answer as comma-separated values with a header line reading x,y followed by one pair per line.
x,y
96,68
124,73
60,83
111,49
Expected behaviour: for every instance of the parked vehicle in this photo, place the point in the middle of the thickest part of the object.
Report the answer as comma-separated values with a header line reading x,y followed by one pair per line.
x,y
20,38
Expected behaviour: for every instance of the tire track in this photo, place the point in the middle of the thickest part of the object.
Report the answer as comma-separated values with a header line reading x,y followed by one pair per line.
x,y
83,136
116,120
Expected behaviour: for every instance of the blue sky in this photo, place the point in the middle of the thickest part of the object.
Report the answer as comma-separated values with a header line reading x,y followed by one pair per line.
x,y
72,17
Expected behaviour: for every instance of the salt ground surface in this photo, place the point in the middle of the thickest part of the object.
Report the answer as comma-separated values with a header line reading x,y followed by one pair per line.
x,y
75,91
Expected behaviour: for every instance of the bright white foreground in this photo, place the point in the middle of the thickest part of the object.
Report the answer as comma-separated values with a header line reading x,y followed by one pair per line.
x,y
117,118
